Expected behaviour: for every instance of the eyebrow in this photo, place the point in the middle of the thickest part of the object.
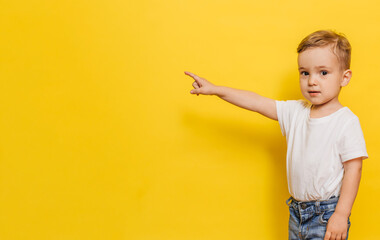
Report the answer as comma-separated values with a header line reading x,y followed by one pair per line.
x,y
315,67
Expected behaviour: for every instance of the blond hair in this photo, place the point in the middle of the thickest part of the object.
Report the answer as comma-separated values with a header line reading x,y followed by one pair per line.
x,y
340,45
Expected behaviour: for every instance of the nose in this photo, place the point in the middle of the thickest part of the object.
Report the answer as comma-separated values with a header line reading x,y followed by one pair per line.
x,y
312,80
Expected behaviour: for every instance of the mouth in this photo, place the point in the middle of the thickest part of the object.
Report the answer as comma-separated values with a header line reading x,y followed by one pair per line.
x,y
314,93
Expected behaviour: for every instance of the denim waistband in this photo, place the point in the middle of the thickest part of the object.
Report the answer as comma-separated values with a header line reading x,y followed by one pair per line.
x,y
313,205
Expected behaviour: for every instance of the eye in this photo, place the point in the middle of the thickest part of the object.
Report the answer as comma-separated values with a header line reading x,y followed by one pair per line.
x,y
304,73
324,72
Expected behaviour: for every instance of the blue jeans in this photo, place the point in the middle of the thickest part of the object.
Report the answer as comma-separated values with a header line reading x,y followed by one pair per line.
x,y
308,220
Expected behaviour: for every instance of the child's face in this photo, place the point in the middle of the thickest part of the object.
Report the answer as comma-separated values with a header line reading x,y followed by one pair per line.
x,y
321,76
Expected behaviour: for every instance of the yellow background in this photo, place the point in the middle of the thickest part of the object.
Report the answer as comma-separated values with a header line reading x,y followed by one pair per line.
x,y
101,138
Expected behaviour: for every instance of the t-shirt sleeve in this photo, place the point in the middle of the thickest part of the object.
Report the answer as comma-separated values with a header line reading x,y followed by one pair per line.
x,y
352,144
286,112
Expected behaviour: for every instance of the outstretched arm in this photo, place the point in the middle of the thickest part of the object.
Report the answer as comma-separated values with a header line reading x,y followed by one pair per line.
x,y
241,98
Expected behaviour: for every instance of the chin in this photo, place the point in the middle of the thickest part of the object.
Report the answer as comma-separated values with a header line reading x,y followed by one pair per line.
x,y
314,101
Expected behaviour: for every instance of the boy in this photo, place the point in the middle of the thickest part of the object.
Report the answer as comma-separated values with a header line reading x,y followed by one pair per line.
x,y
325,143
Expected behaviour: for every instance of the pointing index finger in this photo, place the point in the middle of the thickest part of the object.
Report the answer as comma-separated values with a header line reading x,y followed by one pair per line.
x,y
192,75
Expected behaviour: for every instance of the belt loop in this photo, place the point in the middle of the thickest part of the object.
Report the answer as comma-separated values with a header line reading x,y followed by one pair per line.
x,y
317,207
288,201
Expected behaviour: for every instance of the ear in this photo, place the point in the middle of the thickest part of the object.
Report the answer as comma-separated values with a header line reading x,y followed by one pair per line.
x,y
347,74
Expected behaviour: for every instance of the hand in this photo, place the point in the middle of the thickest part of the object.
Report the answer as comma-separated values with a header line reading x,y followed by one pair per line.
x,y
201,85
336,227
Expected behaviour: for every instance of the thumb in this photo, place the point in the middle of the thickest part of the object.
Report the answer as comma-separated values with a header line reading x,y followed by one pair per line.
x,y
195,91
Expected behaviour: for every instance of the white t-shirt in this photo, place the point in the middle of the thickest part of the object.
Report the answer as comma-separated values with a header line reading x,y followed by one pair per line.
x,y
317,148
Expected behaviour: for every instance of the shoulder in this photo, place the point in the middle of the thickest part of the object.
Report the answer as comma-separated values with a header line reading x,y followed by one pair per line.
x,y
288,111
348,117
349,124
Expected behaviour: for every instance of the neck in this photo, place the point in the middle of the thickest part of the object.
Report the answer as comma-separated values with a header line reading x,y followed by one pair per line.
x,y
325,109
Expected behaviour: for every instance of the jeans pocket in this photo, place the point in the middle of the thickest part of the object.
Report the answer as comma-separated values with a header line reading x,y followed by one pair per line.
x,y
325,216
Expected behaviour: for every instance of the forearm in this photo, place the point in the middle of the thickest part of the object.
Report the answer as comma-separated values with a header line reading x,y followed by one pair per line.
x,y
248,100
349,189
238,97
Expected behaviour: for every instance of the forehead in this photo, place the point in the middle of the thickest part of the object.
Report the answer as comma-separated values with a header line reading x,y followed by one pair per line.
x,y
317,56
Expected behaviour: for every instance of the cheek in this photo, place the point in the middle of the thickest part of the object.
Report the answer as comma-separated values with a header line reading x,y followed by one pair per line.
x,y
334,86
303,85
